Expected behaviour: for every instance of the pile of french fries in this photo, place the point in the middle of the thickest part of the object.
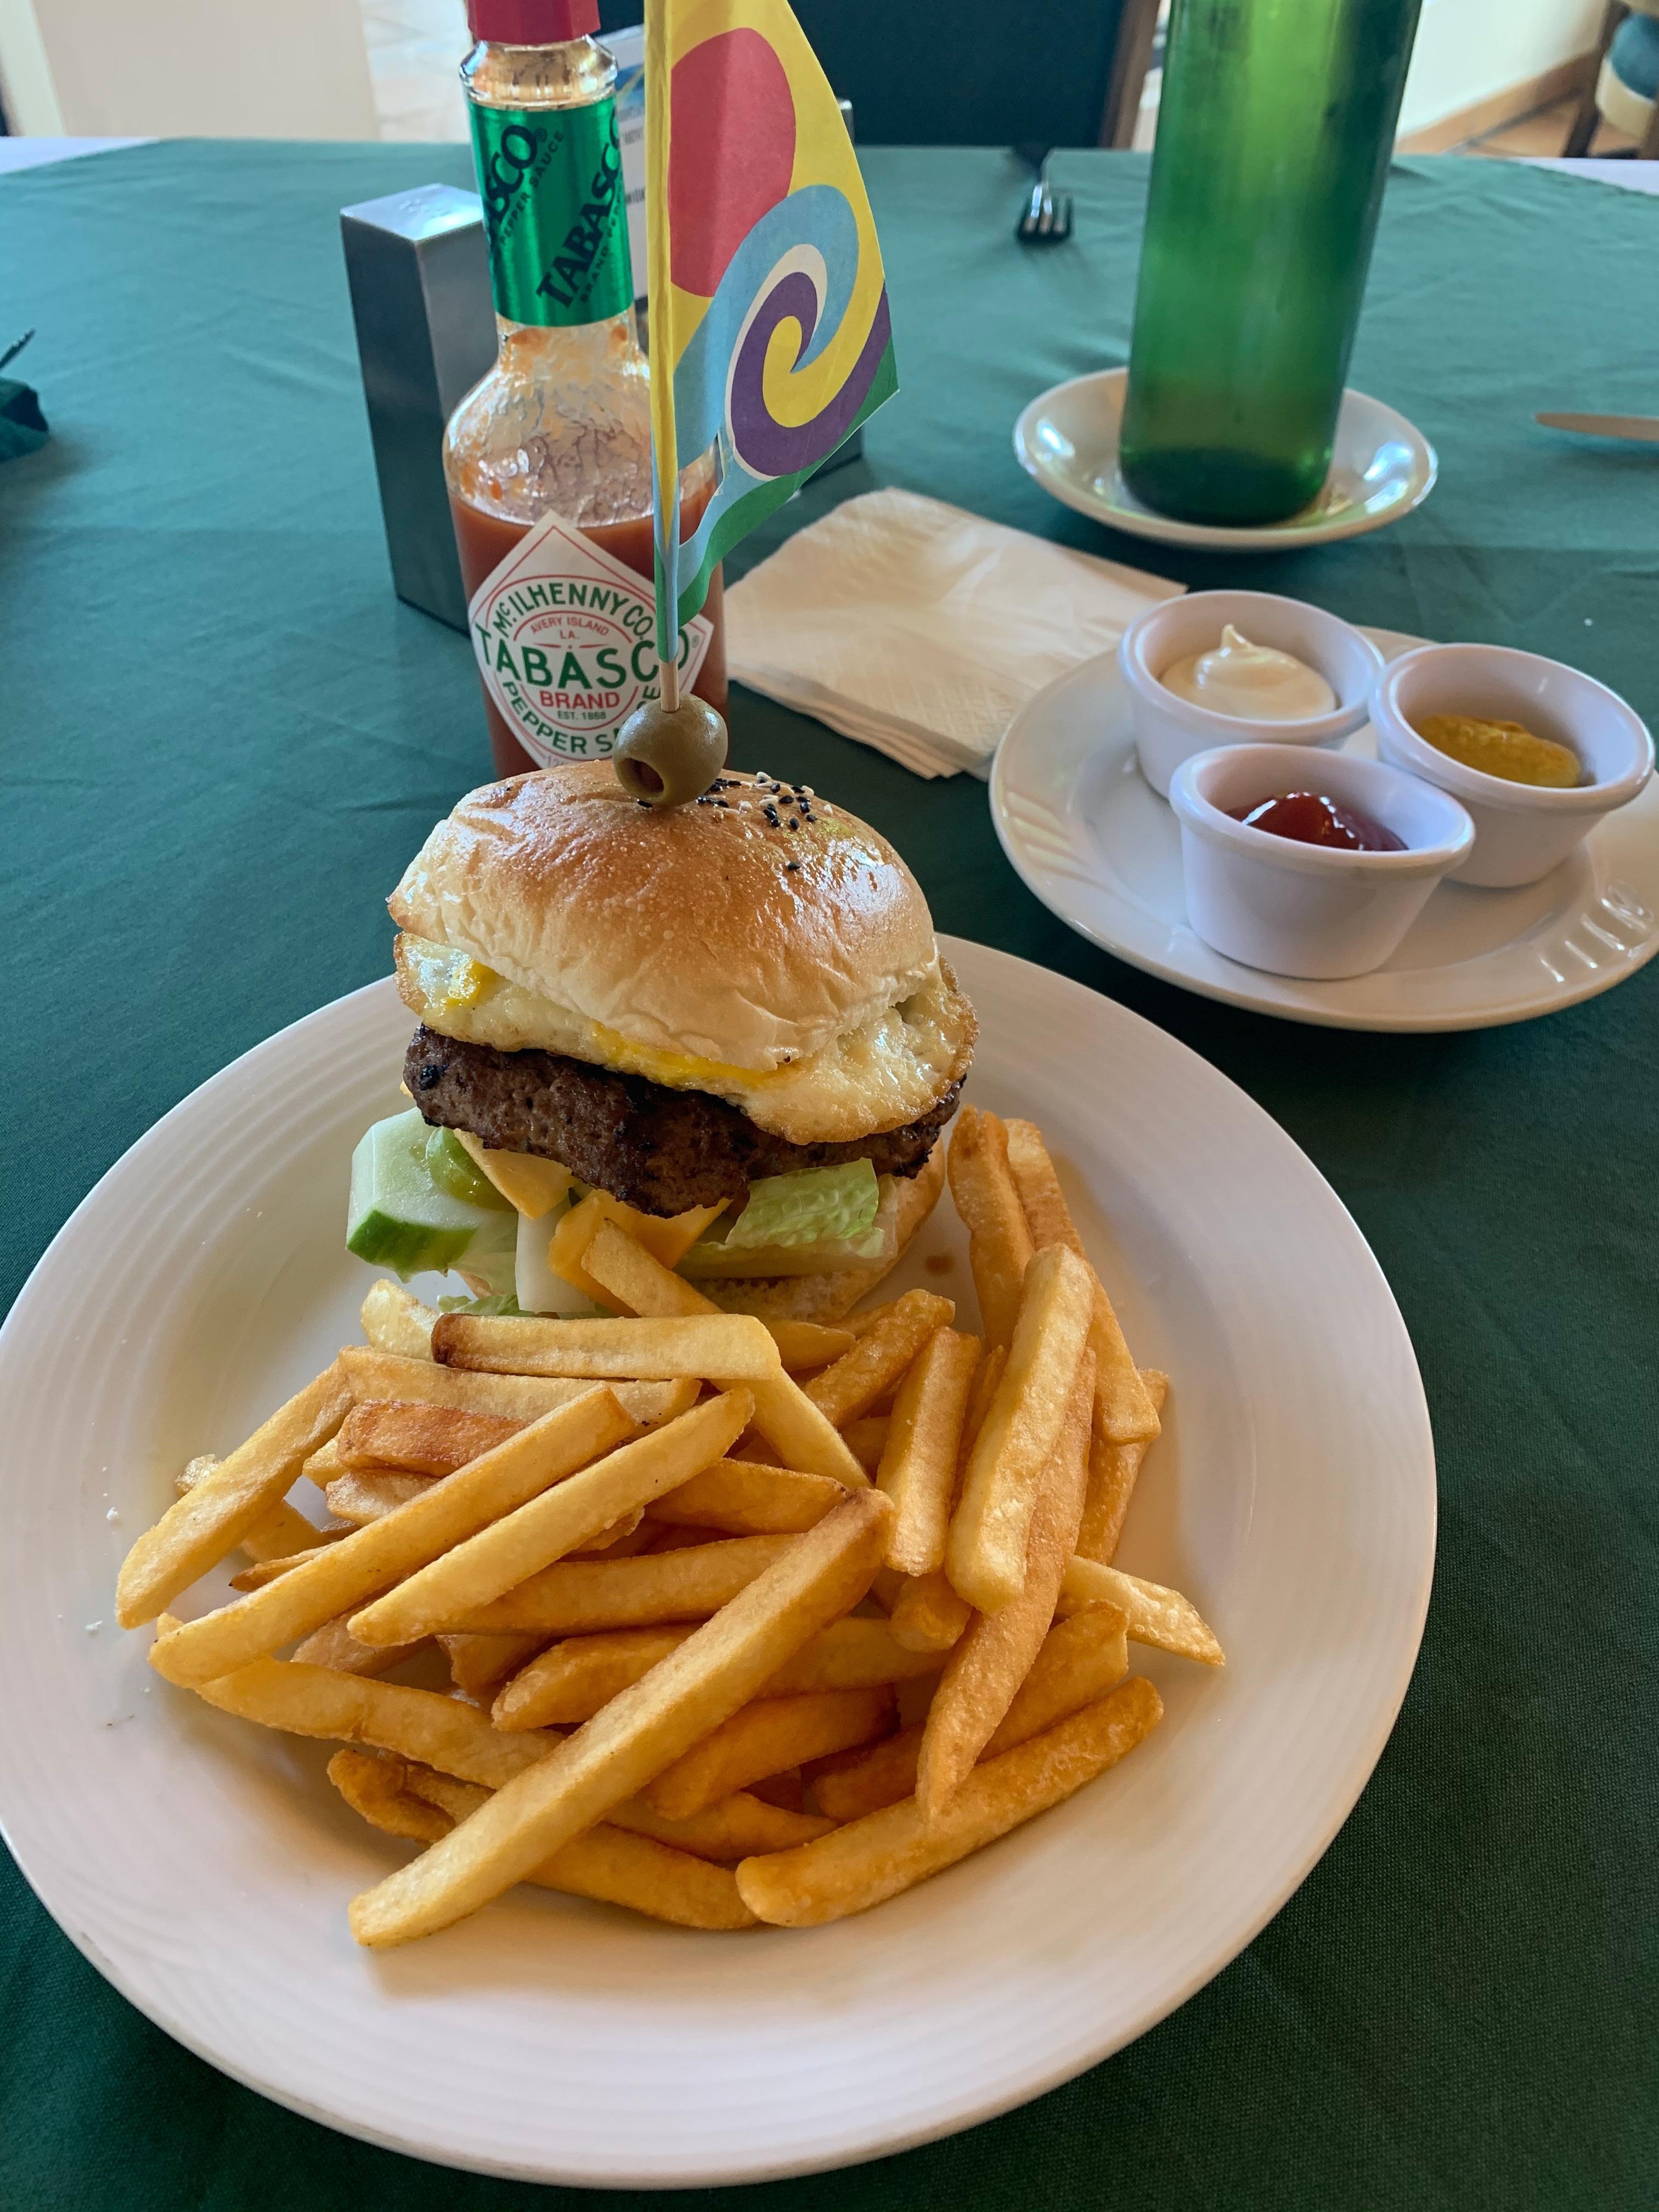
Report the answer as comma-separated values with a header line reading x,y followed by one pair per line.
x,y
742,1622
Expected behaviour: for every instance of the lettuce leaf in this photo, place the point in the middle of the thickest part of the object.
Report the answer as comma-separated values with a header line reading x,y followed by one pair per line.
x,y
814,1205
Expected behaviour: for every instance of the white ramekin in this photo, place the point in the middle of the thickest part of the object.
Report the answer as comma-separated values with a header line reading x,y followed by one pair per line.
x,y
1307,910
1168,729
1520,830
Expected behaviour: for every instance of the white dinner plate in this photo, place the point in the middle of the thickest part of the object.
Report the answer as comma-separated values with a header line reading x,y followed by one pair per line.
x,y
204,1865
1098,846
1382,467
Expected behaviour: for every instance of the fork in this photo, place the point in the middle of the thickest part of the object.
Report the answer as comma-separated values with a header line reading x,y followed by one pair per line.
x,y
1044,220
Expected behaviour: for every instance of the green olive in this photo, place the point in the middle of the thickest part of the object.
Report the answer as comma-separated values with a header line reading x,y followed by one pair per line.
x,y
668,760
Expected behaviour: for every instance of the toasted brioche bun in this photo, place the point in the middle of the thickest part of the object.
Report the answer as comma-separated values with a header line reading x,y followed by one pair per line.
x,y
829,1297
759,945
705,929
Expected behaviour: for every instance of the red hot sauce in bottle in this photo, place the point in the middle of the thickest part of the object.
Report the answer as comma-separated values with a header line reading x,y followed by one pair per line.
x,y
547,460
1308,817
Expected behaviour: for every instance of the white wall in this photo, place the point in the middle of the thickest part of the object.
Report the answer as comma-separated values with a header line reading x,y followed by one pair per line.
x,y
254,69
1468,49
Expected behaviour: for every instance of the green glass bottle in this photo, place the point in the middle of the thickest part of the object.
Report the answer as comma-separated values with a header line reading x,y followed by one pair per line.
x,y
1273,137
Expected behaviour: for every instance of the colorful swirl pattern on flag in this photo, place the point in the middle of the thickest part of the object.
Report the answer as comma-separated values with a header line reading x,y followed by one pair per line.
x,y
769,302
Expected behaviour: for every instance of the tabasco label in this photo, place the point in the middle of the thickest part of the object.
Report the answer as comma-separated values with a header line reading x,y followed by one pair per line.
x,y
554,211
564,636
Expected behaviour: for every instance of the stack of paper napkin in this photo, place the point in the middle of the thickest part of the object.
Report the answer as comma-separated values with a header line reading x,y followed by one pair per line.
x,y
921,629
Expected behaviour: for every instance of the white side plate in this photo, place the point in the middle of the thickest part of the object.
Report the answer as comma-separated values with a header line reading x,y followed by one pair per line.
x,y
204,1865
1102,851
1382,467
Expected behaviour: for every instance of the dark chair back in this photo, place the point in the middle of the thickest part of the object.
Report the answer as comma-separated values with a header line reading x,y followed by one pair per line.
x,y
968,72
961,72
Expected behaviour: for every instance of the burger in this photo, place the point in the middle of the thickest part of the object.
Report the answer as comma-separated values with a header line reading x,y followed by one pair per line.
x,y
728,1019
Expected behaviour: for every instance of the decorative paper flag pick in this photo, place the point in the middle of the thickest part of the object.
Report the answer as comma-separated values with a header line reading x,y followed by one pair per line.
x,y
769,333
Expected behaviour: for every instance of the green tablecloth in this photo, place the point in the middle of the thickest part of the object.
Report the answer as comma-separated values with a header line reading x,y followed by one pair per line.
x,y
222,736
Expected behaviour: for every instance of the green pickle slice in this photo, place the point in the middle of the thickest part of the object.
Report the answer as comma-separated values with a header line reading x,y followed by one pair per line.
x,y
452,1169
402,1216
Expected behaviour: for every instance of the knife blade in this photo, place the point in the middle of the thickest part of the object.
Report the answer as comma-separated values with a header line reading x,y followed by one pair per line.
x,y
1642,429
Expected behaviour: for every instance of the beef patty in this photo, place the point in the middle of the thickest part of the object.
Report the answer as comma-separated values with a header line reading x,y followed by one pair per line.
x,y
661,1151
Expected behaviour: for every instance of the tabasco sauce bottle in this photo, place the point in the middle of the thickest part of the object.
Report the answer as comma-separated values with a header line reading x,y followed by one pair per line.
x,y
549,459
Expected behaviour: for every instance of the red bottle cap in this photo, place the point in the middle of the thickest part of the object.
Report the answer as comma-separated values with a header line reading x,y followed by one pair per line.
x,y
533,22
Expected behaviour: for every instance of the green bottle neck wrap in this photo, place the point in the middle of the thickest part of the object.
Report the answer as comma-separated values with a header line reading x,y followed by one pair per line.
x,y
554,207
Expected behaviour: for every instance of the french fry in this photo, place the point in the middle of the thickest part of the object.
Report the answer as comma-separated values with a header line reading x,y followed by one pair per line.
x,y
626,1535
822,1576
1124,1410
365,1494
374,1375
270,1570
738,1825
742,1500
377,1787
851,1655
572,1679
533,1186
866,1439
215,1513
577,1597
362,1494
928,1615
926,1612
803,1433
634,1279
987,1378
334,1645
325,1464
566,1250
859,1865
792,1424
1081,1659
394,1319
618,1866
554,1521
418,1439
1156,1615
439,1731
667,1240
852,1385
997,1651
804,1344
726,1348
984,1555
614,1865
765,1738
478,1665
1000,1245
1114,1470
853,1782
369,1558
275,1535
918,1468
